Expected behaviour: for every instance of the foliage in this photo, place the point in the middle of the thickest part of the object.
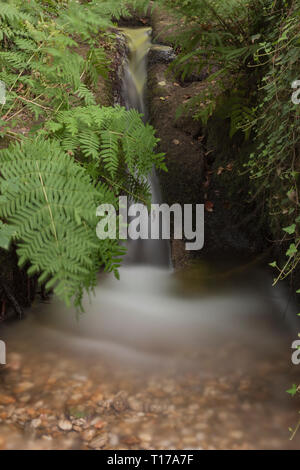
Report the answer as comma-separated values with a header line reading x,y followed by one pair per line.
x,y
111,143
251,54
81,155
49,202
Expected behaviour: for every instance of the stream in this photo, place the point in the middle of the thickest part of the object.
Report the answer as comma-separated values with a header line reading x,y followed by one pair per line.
x,y
160,359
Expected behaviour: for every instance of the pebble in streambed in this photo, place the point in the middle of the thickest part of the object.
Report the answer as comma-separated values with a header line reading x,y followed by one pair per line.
x,y
51,402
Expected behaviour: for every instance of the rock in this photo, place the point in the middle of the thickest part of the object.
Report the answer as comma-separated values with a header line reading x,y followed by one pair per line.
x,y
14,361
36,423
237,434
161,54
25,398
99,442
114,440
98,424
6,400
120,402
80,422
145,437
88,435
65,425
135,404
24,387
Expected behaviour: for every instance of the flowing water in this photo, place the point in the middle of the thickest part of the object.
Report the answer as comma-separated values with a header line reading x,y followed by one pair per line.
x,y
163,359
146,252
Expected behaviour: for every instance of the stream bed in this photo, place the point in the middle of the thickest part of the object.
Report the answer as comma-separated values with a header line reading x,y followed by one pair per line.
x,y
152,365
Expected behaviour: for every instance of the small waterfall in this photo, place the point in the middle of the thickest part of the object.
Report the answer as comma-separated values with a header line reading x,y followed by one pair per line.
x,y
135,71
147,252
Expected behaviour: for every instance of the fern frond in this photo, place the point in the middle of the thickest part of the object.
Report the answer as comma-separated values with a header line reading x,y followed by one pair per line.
x,y
109,151
50,203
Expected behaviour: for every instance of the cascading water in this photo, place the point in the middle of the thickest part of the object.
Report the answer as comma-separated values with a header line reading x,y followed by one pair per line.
x,y
147,252
135,71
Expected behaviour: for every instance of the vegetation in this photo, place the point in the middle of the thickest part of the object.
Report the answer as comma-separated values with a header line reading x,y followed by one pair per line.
x,y
65,154
251,53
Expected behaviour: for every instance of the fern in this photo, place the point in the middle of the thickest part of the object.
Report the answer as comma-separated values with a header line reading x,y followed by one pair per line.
x,y
110,143
83,155
49,205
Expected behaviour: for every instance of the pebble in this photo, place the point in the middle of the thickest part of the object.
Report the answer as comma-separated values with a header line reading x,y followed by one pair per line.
x,y
135,404
36,423
7,400
120,402
65,425
99,442
88,435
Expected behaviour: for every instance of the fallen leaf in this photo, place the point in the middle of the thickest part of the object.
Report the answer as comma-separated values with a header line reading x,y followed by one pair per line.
x,y
163,83
209,206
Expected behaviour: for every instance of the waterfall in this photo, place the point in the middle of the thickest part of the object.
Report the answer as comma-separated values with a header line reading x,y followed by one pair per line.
x,y
147,252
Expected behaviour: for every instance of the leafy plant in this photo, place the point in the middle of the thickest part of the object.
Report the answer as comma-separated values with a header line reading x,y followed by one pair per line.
x,y
82,155
49,204
111,143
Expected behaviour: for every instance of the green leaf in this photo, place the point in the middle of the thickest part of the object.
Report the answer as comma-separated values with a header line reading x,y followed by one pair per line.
x,y
291,229
6,235
292,391
292,250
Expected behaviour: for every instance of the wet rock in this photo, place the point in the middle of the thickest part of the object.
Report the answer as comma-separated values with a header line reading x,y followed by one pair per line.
x,y
99,442
25,398
81,423
36,423
65,425
14,361
236,434
114,440
120,402
24,387
88,435
161,54
135,404
98,423
6,400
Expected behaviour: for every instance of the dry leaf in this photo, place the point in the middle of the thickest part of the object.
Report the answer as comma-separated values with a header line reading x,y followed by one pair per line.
x,y
209,206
